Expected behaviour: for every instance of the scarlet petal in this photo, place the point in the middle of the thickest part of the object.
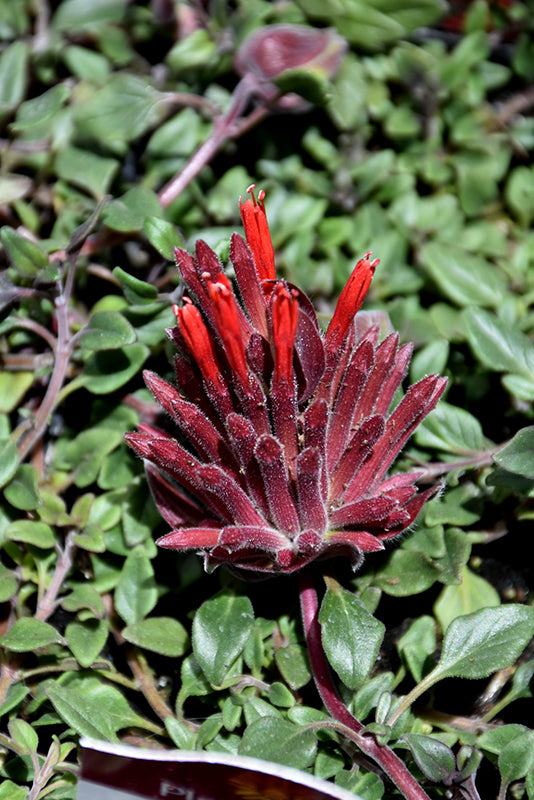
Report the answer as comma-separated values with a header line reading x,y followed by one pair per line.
x,y
413,507
384,361
394,379
341,419
258,236
358,450
229,328
418,401
249,283
175,506
312,509
252,537
363,540
190,539
315,423
199,342
163,391
350,300
239,508
369,512
309,542
284,317
270,457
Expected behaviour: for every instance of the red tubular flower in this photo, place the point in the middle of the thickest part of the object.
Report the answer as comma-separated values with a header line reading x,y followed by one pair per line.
x,y
257,233
285,435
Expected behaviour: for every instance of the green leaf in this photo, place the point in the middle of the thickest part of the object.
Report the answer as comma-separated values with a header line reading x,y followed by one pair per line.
x,y
522,386
452,430
124,109
89,714
182,736
136,593
29,634
13,74
430,360
35,117
130,211
208,730
221,628
26,256
521,682
32,532
406,573
472,594
87,170
478,644
12,791
86,640
292,662
232,711
370,25
256,708
87,717
136,291
119,469
107,370
107,330
77,15
13,698
23,490
192,681
92,539
273,739
418,644
138,513
498,345
8,583
13,387
280,696
497,738
452,508
192,51
353,654
84,454
9,460
435,760
467,279
311,84
86,64
517,758
518,454
163,236
83,596
163,635
24,735
519,194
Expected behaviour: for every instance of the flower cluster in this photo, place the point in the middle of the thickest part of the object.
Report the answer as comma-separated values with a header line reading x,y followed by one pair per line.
x,y
284,435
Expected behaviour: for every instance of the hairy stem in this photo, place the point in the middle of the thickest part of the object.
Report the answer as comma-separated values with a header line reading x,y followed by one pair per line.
x,y
381,754
229,126
63,352
49,602
142,674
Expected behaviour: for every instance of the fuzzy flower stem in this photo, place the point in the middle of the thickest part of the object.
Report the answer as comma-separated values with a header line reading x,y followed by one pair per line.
x,y
382,755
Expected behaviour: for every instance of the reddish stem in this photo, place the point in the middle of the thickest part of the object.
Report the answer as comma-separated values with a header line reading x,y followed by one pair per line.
x,y
381,754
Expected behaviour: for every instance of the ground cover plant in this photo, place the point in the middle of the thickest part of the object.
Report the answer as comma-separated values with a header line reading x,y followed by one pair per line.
x,y
130,129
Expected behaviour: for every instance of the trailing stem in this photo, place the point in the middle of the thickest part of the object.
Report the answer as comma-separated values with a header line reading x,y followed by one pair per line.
x,y
381,754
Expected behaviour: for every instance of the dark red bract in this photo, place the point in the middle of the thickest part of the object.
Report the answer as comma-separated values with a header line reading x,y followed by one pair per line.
x,y
284,437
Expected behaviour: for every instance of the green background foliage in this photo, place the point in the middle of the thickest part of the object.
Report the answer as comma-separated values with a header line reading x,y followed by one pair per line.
x,y
420,149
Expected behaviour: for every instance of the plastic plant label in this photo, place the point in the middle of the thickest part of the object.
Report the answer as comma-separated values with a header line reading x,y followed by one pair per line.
x,y
120,772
